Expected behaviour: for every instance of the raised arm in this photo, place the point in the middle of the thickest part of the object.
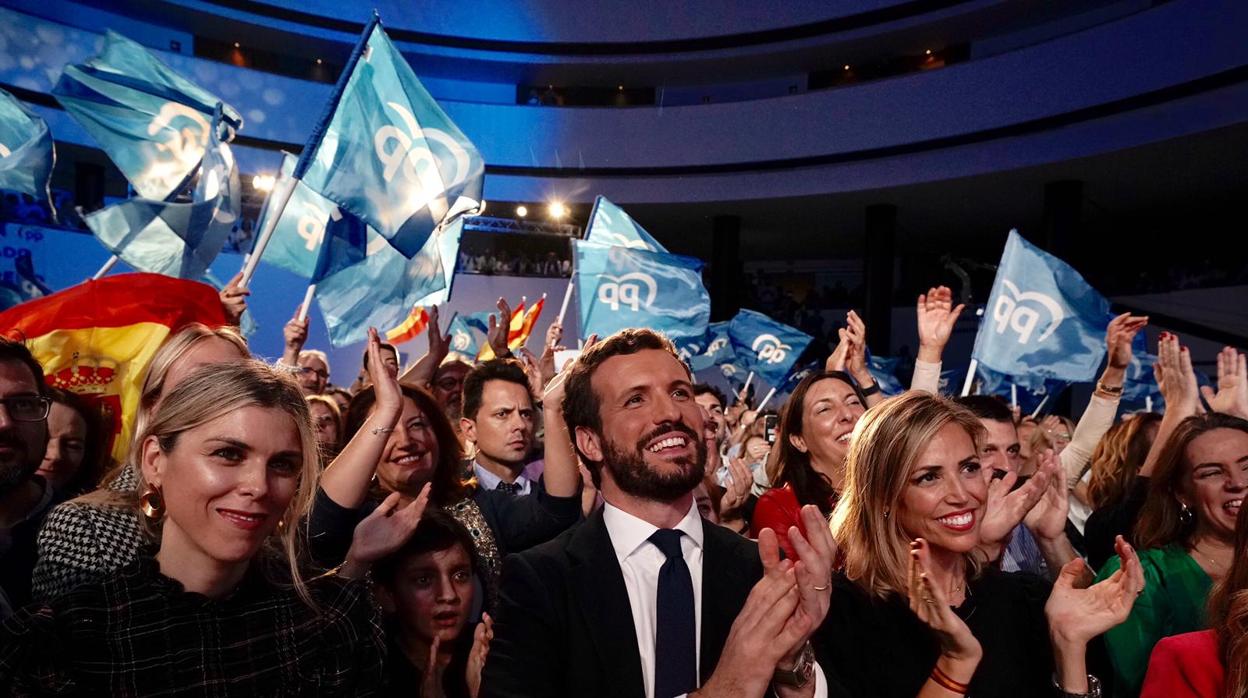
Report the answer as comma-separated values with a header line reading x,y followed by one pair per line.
x,y
420,373
1178,386
1099,416
936,317
294,335
854,337
346,480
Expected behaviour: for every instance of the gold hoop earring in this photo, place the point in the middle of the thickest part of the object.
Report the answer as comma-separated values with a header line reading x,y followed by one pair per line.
x,y
152,504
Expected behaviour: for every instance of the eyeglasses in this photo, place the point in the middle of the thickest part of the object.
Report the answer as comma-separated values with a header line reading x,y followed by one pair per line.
x,y
308,369
27,409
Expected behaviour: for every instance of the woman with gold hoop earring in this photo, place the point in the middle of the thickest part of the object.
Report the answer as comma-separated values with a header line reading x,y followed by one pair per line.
x,y
228,463
1186,529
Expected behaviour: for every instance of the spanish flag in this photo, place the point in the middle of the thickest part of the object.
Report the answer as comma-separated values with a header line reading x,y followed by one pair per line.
x,y
411,327
515,340
97,338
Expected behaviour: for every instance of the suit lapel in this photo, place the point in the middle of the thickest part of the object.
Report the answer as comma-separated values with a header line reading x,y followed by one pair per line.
x,y
598,585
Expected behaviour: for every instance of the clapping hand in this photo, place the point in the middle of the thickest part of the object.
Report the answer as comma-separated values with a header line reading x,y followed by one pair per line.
x,y
439,343
500,326
385,385
1047,518
1231,396
385,530
854,336
1177,379
817,556
481,639
1006,507
1118,337
930,603
1077,615
936,319
737,487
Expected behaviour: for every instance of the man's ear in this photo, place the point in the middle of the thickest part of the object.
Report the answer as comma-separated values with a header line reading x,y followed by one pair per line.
x,y
468,429
798,442
152,460
590,444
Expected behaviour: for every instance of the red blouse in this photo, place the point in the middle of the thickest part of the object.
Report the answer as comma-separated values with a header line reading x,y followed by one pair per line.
x,y
1185,666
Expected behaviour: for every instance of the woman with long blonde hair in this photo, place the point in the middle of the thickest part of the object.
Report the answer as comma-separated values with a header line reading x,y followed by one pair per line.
x,y
914,612
217,601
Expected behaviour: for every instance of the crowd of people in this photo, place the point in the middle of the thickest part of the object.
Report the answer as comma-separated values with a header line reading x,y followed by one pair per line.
x,y
616,528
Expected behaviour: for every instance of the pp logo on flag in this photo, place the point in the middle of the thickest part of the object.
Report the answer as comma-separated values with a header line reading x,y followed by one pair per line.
x,y
634,290
312,224
184,145
1022,313
461,341
770,349
717,345
728,370
413,153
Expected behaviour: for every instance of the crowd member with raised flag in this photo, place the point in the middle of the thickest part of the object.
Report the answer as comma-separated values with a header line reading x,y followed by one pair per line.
x,y
25,497
421,449
228,471
915,612
1186,529
310,366
90,537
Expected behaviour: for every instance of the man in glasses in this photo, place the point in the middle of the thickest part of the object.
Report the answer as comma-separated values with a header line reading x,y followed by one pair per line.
x,y
310,366
24,496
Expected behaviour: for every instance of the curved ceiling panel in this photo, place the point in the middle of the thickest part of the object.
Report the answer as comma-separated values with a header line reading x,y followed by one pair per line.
x,y
588,26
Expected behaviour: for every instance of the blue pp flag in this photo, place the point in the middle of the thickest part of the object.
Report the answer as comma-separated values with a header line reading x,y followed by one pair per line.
x,y
26,151
378,291
1139,386
448,239
884,371
620,287
768,348
950,382
176,239
712,349
313,238
154,124
609,225
1042,321
468,334
388,153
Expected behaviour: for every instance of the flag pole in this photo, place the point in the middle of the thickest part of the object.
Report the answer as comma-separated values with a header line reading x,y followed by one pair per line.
x,y
970,377
567,296
745,388
1040,407
766,399
1014,395
1148,403
284,189
307,303
108,266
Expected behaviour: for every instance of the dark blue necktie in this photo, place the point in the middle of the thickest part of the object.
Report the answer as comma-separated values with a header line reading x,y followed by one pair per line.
x,y
675,642
509,487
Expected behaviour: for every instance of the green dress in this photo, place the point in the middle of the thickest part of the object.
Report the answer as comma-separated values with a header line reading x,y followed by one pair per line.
x,y
1175,593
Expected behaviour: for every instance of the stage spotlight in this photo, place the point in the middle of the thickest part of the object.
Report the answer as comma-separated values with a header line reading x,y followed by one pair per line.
x,y
522,211
319,61
557,210
847,67
237,45
262,182
927,52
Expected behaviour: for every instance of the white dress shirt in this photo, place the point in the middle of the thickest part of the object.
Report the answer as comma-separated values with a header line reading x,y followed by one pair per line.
x,y
489,481
640,561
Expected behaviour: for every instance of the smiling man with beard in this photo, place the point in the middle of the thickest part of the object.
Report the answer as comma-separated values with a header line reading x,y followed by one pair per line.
x,y
24,497
644,598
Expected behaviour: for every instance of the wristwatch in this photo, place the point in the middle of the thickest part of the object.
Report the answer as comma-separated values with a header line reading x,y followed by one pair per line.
x,y
1094,688
872,390
801,673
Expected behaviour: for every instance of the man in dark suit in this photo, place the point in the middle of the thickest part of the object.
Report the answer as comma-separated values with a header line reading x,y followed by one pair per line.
x,y
645,599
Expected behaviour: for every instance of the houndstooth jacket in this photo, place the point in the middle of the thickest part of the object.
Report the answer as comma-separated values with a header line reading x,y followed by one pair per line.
x,y
81,543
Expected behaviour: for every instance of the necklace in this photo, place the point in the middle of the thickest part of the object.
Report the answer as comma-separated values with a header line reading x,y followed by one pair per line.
x,y
1214,565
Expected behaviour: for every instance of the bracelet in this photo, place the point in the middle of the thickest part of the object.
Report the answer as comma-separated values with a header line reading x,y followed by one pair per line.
x,y
946,682
1112,390
868,392
1094,688
382,430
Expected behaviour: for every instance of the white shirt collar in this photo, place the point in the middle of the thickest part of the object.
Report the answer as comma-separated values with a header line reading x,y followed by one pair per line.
x,y
628,533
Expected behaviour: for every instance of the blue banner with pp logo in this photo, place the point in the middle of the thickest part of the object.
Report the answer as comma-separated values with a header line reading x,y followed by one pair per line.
x,y
1042,321
620,287
712,349
768,348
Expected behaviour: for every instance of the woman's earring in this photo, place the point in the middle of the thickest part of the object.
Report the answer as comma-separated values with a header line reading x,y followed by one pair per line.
x,y
1185,514
152,504
886,512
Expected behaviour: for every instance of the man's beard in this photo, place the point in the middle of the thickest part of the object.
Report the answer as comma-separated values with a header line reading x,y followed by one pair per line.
x,y
633,476
16,472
